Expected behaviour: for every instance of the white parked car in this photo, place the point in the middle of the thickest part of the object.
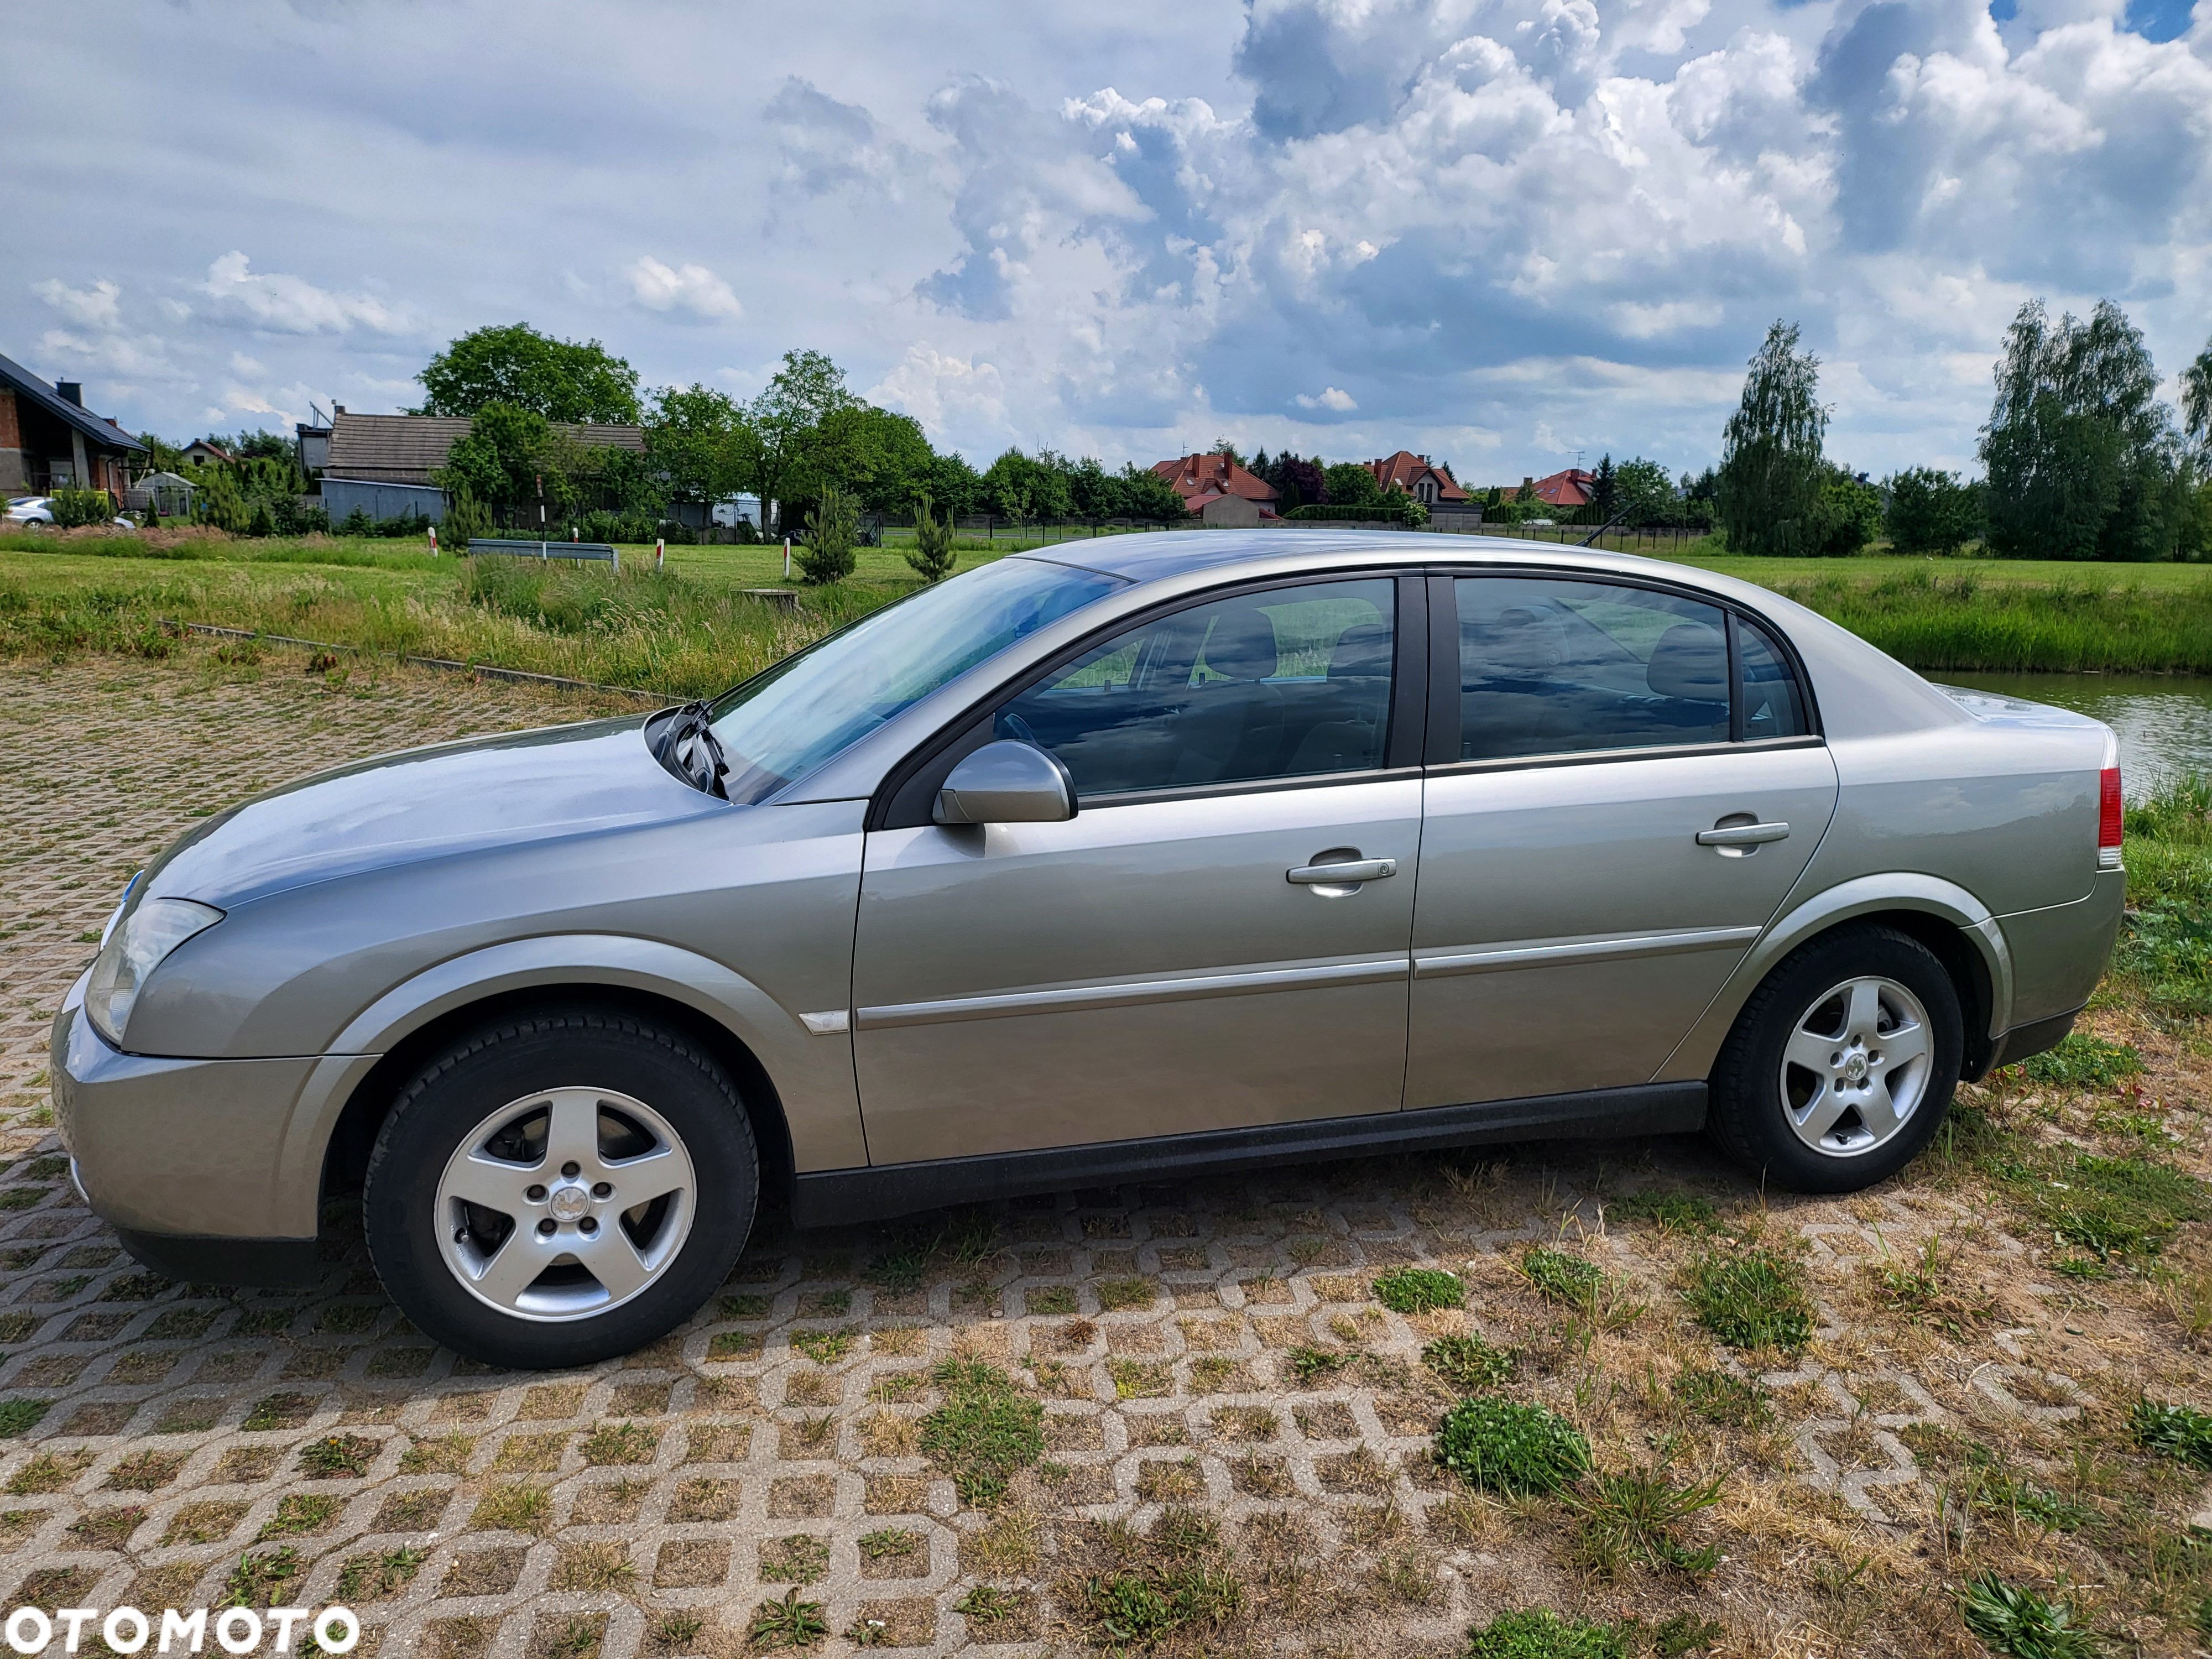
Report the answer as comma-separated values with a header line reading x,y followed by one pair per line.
x,y
39,510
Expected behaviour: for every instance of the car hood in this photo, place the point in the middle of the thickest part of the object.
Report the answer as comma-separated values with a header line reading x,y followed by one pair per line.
x,y
424,804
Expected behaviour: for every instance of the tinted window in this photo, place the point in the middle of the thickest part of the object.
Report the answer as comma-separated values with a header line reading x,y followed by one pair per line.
x,y
1287,682
1773,705
1550,665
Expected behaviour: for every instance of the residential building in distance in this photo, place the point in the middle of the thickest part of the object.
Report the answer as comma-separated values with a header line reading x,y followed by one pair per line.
x,y
49,441
382,463
201,452
1574,487
1215,491
1425,482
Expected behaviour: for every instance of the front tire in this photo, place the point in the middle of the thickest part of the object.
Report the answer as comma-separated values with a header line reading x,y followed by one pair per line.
x,y
562,1187
1841,1065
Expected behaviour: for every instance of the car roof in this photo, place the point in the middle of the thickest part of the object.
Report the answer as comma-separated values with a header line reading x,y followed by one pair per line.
x,y
1163,554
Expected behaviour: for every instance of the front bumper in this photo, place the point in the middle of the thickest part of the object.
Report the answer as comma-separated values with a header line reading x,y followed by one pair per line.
x,y
186,1150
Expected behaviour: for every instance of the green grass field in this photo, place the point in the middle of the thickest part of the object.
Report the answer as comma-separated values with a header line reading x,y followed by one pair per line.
x,y
693,628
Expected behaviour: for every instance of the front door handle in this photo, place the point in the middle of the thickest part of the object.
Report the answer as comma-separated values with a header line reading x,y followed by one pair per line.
x,y
1742,835
1341,875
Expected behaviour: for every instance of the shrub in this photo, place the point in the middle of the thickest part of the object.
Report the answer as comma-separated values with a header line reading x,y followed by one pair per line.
x,y
73,507
467,519
833,530
1931,512
357,523
932,558
1418,1290
1396,508
261,521
1508,1447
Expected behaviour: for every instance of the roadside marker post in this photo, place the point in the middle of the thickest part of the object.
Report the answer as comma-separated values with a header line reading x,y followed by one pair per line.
x,y
433,541
660,553
786,558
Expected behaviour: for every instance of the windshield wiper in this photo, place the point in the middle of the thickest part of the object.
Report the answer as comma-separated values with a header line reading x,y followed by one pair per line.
x,y
688,748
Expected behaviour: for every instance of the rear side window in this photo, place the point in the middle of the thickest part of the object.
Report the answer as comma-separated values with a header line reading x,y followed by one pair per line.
x,y
1291,681
1552,665
1773,702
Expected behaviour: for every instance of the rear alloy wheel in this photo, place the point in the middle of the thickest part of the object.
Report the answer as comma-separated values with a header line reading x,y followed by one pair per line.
x,y
562,1189
1842,1064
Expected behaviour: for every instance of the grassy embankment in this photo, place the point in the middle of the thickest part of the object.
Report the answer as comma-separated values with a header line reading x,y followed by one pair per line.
x,y
693,628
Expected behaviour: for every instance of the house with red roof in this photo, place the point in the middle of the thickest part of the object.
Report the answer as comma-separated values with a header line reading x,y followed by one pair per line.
x,y
1425,482
1576,486
1218,491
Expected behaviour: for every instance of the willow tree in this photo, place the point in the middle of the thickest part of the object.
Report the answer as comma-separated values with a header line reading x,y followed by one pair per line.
x,y
1771,468
2081,454
2197,402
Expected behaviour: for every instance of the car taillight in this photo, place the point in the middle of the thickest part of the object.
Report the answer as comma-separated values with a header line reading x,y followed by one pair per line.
x,y
2108,818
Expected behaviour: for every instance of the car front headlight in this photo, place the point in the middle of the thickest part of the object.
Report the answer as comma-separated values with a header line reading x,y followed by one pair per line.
x,y
136,944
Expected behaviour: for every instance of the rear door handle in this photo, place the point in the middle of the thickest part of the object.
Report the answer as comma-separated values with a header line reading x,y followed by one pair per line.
x,y
1742,835
1341,875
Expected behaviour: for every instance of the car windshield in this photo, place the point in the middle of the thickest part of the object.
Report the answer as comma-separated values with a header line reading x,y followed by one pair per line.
x,y
779,726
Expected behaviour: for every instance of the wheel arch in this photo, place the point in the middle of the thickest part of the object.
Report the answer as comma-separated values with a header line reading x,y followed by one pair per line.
x,y
797,1084
1956,929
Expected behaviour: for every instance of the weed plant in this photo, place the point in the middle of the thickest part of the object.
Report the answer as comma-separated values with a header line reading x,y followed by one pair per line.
x,y
1467,1363
986,1433
2022,1623
2181,1431
1504,1446
1419,1289
1751,1298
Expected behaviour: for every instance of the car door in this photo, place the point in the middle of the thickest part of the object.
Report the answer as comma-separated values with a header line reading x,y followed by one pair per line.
x,y
1178,957
1633,786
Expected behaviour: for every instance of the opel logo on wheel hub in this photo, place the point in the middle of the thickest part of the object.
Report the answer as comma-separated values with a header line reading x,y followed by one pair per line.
x,y
570,1202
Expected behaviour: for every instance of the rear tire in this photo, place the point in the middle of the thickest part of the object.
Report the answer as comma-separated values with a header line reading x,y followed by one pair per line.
x,y
1842,1064
560,1188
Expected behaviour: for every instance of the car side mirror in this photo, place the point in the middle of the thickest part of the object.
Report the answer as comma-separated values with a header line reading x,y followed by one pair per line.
x,y
1007,783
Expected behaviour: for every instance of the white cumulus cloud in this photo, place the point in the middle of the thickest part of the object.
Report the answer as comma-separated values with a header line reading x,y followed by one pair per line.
x,y
682,288
88,307
1336,398
291,305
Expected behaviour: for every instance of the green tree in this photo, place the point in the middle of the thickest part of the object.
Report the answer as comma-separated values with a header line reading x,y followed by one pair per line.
x,y
697,441
2196,403
504,458
221,501
1605,491
784,422
1349,484
1773,475
1646,493
2080,455
1022,488
1223,446
1850,514
833,530
881,457
931,557
954,485
1147,497
577,381
1931,512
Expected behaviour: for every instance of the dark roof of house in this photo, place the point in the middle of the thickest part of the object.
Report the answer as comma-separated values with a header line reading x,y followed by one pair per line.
x,y
1405,469
40,392
408,448
1198,476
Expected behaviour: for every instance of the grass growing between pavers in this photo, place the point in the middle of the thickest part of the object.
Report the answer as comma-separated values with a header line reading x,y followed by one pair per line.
x,y
1236,1448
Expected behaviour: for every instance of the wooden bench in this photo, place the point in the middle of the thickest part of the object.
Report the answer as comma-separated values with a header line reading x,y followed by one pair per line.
x,y
603,551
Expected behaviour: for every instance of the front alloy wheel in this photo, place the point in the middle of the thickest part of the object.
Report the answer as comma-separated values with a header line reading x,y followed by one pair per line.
x,y
566,1204
561,1188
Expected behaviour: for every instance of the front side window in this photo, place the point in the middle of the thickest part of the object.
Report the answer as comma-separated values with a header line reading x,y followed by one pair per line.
x,y
781,725
1292,682
1552,666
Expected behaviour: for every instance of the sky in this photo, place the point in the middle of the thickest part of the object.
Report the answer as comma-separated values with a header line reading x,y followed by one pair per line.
x,y
1510,233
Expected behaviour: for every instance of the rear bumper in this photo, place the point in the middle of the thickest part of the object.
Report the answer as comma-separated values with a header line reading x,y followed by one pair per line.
x,y
188,1148
2022,1041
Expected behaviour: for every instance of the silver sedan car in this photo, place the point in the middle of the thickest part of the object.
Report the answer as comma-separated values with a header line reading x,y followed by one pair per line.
x,y
1157,856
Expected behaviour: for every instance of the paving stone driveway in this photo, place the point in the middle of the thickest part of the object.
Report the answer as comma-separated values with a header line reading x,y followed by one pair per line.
x,y
178,1445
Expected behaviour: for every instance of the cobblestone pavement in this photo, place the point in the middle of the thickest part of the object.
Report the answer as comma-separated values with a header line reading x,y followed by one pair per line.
x,y
1231,1421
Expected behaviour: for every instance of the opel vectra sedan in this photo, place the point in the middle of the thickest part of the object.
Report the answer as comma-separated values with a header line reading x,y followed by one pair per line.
x,y
1160,856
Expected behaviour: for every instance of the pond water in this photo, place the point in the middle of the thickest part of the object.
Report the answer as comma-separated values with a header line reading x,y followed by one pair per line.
x,y
2164,722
